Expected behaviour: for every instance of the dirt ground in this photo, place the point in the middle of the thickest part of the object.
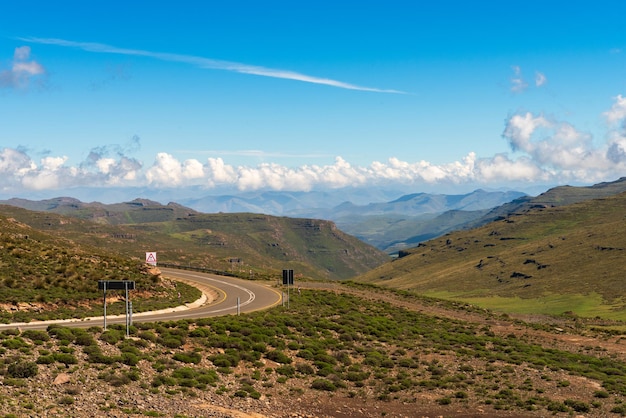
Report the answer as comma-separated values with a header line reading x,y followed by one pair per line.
x,y
280,402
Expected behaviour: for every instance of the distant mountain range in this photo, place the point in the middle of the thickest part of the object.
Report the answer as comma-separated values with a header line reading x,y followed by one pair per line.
x,y
388,225
389,221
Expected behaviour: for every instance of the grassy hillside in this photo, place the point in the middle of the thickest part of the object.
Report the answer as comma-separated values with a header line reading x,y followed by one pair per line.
x,y
557,196
246,244
331,354
546,260
44,276
136,211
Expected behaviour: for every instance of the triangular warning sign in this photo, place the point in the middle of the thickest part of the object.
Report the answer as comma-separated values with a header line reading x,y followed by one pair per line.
x,y
151,258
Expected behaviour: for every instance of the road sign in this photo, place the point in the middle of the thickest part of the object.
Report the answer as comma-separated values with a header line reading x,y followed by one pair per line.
x,y
116,285
287,277
151,258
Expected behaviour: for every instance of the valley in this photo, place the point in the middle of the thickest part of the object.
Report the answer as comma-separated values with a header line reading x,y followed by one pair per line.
x,y
522,316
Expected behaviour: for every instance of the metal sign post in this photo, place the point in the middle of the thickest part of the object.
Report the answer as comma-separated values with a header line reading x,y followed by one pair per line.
x,y
288,280
126,285
127,313
104,293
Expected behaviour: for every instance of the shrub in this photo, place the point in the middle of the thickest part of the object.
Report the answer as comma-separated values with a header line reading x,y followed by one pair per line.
x,y
200,332
85,339
578,406
130,359
188,357
46,359
36,336
172,341
305,368
278,356
148,336
22,369
601,394
61,333
14,343
323,384
112,336
65,358
286,370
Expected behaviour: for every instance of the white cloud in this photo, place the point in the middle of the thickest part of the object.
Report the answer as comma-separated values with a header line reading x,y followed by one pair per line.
x,y
520,128
544,150
618,110
208,63
22,70
517,82
540,79
168,171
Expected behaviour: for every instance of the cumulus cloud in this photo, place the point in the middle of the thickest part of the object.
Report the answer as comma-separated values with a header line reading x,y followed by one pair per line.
x,y
168,171
22,70
543,150
618,110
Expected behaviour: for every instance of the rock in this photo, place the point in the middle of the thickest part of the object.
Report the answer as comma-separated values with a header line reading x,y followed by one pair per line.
x,y
61,379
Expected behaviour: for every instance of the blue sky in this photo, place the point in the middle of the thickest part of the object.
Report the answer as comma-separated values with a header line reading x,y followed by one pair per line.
x,y
284,95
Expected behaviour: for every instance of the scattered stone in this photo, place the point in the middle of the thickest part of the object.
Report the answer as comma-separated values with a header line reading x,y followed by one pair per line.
x,y
61,379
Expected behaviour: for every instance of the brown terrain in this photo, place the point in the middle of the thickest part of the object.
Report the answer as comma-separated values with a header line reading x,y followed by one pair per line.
x,y
90,397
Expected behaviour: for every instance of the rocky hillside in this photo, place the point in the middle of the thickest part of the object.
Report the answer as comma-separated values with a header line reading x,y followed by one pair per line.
x,y
245,244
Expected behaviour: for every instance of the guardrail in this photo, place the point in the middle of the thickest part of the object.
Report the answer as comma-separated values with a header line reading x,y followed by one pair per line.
x,y
200,269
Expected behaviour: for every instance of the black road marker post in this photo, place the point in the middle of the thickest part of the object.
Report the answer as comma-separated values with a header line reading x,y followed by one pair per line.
x,y
288,280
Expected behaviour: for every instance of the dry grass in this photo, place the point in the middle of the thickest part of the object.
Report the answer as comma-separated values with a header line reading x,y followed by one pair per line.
x,y
577,251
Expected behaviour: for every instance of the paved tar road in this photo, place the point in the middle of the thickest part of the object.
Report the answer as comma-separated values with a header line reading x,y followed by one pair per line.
x,y
233,296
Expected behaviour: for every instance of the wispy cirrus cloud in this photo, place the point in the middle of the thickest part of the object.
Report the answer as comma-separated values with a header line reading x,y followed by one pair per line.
x,y
207,63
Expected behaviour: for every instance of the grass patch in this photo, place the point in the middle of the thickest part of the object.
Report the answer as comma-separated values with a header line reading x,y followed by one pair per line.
x,y
589,306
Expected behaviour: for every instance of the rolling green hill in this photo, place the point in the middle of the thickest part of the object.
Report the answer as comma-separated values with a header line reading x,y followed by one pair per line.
x,y
245,244
46,276
136,211
544,260
557,196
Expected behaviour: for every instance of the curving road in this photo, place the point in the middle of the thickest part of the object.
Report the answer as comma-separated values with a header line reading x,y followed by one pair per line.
x,y
233,296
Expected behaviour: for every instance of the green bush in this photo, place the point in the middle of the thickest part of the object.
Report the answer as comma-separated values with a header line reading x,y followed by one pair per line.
x,y
61,333
14,343
130,359
22,369
112,336
278,356
36,336
305,368
46,359
323,384
148,336
188,357
576,405
65,358
286,370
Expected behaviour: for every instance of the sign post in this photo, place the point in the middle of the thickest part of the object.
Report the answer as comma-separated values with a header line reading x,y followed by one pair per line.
x,y
126,285
104,292
288,280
